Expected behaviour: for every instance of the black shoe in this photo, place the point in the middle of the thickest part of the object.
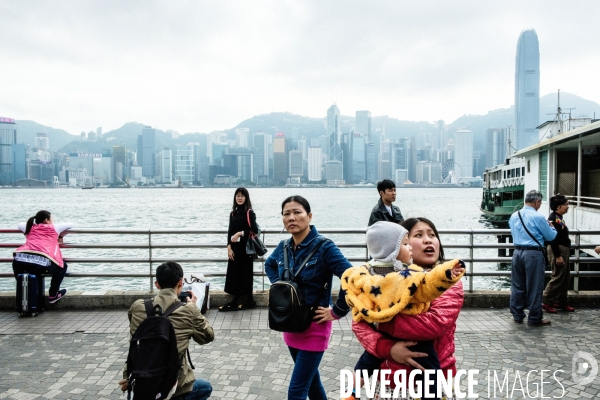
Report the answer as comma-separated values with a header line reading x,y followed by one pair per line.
x,y
543,322
229,307
248,305
59,295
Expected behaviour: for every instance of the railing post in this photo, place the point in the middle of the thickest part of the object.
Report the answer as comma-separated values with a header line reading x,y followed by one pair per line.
x,y
262,265
577,244
150,258
471,262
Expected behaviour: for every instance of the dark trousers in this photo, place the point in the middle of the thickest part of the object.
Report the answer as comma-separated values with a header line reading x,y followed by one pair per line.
x,y
58,273
527,284
558,287
370,362
306,381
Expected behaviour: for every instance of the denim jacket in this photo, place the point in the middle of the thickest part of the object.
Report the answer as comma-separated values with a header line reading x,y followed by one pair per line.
x,y
326,262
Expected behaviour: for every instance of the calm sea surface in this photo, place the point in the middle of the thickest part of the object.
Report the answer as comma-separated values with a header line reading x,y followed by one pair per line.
x,y
204,208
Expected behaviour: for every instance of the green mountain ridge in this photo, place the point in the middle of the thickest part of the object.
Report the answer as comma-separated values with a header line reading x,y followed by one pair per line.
x,y
295,126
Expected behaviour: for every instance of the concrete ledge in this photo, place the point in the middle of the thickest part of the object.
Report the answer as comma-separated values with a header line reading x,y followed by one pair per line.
x,y
78,300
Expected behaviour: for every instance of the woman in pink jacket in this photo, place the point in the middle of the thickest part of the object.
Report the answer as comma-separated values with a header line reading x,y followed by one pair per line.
x,y
437,324
41,252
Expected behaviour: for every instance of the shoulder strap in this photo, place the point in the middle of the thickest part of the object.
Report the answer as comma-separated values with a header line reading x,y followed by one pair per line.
x,y
527,230
152,310
248,218
307,259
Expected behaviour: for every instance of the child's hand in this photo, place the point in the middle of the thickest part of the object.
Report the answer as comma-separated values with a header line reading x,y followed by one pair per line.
x,y
457,270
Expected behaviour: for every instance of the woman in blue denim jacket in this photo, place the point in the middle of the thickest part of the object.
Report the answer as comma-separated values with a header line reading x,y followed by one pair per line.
x,y
307,347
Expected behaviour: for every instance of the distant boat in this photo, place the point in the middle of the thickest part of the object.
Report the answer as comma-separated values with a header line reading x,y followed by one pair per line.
x,y
87,186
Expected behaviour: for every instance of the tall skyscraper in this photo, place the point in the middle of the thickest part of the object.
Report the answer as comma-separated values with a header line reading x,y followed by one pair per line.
x,y
359,154
120,164
333,133
242,137
8,137
527,89
296,164
463,153
363,125
280,158
315,164
261,155
147,152
183,165
165,165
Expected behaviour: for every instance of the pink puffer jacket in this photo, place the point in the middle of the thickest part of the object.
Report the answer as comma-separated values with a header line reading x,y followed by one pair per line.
x,y
437,324
43,240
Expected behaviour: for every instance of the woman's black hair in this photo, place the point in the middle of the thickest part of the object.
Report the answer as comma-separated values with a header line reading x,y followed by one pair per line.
x,y
557,201
247,204
40,217
298,199
410,223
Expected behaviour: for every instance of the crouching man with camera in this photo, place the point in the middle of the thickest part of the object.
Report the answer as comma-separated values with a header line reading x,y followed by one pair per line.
x,y
176,321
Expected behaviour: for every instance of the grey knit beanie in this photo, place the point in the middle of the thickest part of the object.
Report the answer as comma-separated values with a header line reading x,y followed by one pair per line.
x,y
384,239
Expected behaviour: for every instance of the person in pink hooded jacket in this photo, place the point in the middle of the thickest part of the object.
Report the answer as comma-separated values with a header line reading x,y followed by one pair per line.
x,y
41,252
437,324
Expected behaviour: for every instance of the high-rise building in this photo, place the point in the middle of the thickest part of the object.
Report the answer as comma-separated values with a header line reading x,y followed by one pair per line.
x,y
147,152
333,133
41,141
280,158
261,155
183,164
315,164
242,137
371,162
238,163
363,125
495,149
19,158
400,158
463,153
527,89
120,164
296,164
165,166
8,137
359,154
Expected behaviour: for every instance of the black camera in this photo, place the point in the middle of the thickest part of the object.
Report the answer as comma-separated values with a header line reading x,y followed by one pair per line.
x,y
183,296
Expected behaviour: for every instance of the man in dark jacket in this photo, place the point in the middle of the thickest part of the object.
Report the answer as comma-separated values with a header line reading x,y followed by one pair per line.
x,y
385,210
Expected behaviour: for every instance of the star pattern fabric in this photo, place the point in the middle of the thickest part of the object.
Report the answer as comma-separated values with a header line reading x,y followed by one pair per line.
x,y
378,298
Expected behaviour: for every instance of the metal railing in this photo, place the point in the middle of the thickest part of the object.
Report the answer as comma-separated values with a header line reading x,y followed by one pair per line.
x,y
464,249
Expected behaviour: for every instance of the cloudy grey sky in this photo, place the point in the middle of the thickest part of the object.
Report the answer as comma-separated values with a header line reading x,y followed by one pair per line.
x,y
198,66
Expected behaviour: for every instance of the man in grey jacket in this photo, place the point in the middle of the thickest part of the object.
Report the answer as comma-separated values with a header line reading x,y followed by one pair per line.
x,y
188,323
384,210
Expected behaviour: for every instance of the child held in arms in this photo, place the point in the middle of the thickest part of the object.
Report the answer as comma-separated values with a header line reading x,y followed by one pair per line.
x,y
389,284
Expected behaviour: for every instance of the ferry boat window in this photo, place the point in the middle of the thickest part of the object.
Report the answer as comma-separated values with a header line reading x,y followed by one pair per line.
x,y
518,171
528,166
504,174
507,196
523,169
518,195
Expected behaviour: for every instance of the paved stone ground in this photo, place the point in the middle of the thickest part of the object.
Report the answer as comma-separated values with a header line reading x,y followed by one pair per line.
x,y
79,354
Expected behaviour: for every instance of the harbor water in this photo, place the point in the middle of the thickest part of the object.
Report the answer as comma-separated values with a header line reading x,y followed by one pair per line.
x,y
208,208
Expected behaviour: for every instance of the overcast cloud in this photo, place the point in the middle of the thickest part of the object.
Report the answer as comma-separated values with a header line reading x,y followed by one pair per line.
x,y
198,66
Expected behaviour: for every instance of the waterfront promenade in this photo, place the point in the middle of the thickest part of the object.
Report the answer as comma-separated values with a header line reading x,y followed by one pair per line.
x,y
65,354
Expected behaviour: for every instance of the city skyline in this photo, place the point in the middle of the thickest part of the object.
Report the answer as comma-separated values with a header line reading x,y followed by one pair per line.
x,y
205,68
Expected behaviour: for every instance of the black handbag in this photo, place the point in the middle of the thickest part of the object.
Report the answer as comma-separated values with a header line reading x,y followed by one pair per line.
x,y
288,311
535,240
254,246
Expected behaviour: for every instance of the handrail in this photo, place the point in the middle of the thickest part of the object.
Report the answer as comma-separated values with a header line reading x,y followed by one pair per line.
x,y
151,239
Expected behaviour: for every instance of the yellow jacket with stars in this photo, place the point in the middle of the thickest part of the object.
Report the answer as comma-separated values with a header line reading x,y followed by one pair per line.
x,y
378,298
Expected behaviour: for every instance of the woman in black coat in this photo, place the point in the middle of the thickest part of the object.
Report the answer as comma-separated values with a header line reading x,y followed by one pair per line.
x,y
239,280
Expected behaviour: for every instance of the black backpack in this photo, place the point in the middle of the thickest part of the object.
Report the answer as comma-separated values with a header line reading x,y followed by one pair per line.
x,y
153,362
288,311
